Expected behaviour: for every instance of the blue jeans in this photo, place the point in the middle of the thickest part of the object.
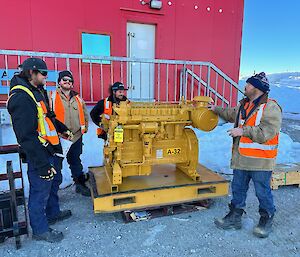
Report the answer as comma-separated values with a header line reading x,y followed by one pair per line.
x,y
43,200
73,158
261,180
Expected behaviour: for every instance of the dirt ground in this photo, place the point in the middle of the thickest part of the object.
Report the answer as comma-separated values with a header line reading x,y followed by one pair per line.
x,y
189,234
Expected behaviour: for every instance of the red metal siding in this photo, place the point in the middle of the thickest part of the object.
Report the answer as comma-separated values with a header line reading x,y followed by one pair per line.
x,y
182,32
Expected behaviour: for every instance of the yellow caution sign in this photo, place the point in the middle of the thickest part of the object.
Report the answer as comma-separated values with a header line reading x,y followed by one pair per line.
x,y
118,134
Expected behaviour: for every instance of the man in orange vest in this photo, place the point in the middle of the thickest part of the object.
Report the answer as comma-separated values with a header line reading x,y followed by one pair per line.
x,y
37,130
104,106
255,145
71,110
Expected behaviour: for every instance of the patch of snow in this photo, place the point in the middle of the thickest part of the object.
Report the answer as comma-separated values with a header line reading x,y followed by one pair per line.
x,y
214,146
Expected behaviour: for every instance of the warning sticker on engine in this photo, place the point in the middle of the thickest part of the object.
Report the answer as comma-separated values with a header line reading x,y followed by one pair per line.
x,y
118,134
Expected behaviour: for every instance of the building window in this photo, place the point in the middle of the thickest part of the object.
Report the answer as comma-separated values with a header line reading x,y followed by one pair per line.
x,y
95,44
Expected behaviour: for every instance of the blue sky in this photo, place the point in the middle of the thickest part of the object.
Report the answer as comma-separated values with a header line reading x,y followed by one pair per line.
x,y
271,36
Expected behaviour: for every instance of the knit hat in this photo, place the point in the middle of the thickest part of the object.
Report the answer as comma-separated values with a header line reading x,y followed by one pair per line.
x,y
259,81
118,86
64,73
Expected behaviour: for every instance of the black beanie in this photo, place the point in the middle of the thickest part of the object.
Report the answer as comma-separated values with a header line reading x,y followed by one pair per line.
x,y
64,73
259,81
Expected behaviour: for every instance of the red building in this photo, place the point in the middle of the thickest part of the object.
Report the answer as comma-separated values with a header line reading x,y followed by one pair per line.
x,y
196,30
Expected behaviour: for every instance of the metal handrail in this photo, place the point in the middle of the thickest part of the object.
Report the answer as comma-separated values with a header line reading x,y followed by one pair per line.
x,y
226,77
102,58
162,66
207,86
209,89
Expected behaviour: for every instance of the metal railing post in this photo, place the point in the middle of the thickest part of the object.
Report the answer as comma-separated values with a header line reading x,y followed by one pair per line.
x,y
101,79
192,87
175,82
158,81
216,88
208,81
199,83
223,92
91,81
80,78
167,82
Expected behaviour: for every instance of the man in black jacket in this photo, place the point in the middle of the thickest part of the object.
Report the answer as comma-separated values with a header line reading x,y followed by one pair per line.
x,y
104,106
37,131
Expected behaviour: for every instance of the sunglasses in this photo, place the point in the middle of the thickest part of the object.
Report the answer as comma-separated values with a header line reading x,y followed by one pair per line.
x,y
43,72
69,80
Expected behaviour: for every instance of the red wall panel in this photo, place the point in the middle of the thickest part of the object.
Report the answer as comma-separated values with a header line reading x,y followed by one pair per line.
x,y
183,31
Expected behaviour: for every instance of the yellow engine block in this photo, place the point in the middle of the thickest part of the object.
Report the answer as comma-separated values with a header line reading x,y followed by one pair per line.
x,y
141,135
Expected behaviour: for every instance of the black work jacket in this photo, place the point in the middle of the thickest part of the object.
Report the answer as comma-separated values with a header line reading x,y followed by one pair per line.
x,y
99,109
24,117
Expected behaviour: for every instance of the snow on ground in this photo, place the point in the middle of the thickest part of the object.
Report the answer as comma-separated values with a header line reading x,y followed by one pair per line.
x,y
214,152
214,146
187,234
215,149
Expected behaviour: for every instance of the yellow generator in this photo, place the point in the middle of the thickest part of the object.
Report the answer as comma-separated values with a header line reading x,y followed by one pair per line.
x,y
151,157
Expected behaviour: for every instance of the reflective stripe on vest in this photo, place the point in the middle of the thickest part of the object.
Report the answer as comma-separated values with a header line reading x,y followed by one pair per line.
x,y
258,146
58,107
81,114
259,114
106,113
46,129
252,149
107,108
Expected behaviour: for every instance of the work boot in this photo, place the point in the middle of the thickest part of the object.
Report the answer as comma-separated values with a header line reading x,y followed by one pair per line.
x,y
232,220
81,187
51,236
264,227
62,215
83,190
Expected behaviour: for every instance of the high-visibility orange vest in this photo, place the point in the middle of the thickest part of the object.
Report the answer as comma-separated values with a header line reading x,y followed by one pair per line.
x,y
107,112
58,107
252,149
46,129
107,108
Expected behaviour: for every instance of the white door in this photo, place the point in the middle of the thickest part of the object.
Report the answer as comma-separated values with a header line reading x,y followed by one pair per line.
x,y
140,76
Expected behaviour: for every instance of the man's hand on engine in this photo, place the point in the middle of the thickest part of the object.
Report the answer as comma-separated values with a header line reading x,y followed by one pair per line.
x,y
211,107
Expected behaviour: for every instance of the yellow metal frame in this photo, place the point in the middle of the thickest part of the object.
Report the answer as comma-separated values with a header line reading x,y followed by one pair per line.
x,y
166,185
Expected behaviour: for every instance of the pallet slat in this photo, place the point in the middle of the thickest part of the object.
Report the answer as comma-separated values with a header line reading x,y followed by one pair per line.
x,y
285,175
161,211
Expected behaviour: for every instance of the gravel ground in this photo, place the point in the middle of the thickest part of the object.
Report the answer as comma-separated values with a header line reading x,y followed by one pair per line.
x,y
192,234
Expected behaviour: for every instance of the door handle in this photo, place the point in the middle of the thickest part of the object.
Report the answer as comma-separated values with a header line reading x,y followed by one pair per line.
x,y
130,35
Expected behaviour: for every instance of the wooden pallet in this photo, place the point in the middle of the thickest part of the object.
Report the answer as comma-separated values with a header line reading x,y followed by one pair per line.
x,y
285,175
146,214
